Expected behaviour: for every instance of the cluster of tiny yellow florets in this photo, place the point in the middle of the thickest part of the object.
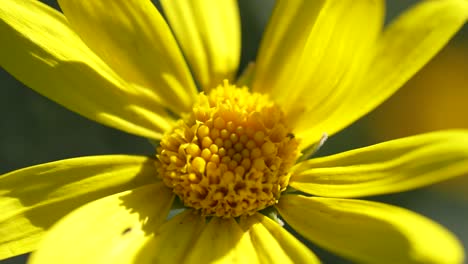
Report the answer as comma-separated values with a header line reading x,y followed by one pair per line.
x,y
231,155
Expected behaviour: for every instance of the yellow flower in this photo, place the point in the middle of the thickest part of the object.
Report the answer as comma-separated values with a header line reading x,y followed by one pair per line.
x,y
230,155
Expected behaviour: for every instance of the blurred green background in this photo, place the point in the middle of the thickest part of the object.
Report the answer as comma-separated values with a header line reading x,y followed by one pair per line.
x,y
35,130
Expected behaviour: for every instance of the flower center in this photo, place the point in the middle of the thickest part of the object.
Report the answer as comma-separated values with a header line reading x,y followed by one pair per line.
x,y
231,155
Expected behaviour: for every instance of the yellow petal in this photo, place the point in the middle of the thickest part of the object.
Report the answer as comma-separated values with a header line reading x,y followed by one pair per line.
x,y
133,38
174,240
222,241
33,199
283,42
110,230
40,50
312,53
370,232
209,34
273,243
388,167
405,46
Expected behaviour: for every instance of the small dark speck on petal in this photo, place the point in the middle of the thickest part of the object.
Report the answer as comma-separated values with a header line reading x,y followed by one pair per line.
x,y
126,231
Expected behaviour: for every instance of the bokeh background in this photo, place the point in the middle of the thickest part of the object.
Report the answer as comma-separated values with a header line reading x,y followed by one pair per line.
x,y
35,130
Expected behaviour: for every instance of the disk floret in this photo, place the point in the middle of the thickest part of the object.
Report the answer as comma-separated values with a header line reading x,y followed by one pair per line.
x,y
231,155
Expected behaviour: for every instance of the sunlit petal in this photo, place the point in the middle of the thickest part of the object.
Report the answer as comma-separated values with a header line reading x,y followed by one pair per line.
x,y
34,198
370,232
273,243
134,39
223,241
119,227
209,34
311,55
405,46
174,239
392,166
40,50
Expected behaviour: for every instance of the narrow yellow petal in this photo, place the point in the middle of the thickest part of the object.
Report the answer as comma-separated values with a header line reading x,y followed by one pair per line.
x,y
405,46
223,241
110,230
370,232
273,243
133,38
312,53
39,49
34,198
283,43
174,240
209,34
388,167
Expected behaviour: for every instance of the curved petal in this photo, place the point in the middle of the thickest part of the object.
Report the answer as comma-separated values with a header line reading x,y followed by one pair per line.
x,y
39,49
209,34
312,52
273,244
34,198
109,230
282,44
388,167
405,46
370,232
133,38
222,241
173,240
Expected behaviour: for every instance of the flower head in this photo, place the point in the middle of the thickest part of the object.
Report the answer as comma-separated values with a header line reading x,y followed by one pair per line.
x,y
231,156
236,155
